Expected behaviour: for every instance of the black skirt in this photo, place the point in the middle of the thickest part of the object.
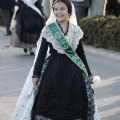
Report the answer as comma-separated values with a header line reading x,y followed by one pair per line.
x,y
64,92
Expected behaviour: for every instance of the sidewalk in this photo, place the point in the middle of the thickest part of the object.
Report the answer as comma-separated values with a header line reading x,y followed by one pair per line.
x,y
2,28
95,51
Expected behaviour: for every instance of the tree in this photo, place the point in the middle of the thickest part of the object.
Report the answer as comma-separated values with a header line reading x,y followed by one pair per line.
x,y
47,7
98,7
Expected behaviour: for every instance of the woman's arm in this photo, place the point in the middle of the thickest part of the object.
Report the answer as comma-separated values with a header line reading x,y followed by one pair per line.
x,y
40,58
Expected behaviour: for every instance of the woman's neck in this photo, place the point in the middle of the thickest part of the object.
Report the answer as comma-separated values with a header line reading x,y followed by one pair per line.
x,y
63,25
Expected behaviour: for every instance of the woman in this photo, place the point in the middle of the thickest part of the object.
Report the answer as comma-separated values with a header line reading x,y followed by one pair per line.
x,y
29,23
61,80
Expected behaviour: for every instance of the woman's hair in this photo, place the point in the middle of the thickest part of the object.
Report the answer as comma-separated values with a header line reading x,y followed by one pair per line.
x,y
67,3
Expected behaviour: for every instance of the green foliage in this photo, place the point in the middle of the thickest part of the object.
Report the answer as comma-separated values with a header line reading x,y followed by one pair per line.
x,y
101,31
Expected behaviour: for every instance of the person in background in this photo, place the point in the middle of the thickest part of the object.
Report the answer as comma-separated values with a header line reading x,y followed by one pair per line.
x,y
62,79
29,23
113,7
6,7
81,8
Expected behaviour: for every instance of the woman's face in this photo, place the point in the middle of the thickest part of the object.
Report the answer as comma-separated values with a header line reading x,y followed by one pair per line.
x,y
61,12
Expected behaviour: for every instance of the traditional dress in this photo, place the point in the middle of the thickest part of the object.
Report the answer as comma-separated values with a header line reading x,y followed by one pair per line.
x,y
29,23
63,91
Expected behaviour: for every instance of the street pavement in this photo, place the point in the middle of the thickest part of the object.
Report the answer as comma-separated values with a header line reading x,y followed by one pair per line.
x,y
107,93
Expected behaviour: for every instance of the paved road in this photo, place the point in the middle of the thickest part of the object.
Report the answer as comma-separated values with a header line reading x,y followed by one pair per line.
x,y
15,65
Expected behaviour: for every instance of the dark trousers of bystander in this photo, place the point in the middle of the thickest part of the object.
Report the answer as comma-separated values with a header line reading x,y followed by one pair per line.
x,y
7,15
81,11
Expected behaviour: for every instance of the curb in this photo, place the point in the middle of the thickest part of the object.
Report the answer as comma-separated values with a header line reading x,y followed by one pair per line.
x,y
113,55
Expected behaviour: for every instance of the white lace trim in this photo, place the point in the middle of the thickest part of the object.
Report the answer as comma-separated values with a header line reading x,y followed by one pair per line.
x,y
73,36
24,113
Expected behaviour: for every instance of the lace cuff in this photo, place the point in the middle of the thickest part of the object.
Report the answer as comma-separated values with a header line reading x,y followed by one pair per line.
x,y
35,76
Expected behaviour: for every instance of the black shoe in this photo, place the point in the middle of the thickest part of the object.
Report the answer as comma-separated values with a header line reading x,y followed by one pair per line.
x,y
25,50
31,51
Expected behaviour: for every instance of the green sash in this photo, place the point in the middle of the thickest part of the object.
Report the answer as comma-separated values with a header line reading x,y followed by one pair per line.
x,y
60,38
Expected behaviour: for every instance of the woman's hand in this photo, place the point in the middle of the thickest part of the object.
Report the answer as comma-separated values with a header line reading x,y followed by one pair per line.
x,y
35,80
91,79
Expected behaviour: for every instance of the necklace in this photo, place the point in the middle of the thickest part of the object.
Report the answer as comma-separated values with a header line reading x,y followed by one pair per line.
x,y
66,31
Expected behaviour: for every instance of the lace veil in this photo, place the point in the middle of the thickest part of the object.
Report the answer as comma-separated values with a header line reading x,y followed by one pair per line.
x,y
31,3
